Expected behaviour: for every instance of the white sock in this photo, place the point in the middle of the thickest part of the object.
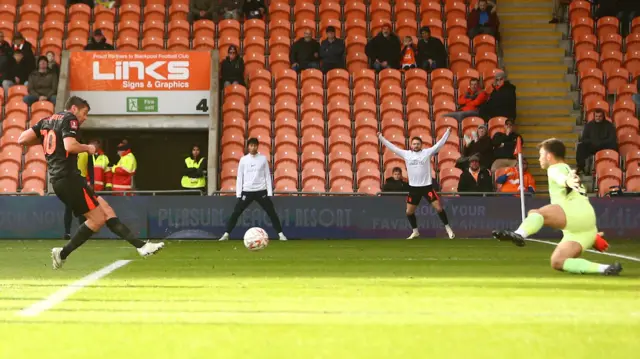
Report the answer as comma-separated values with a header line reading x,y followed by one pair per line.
x,y
415,230
448,227
281,234
521,232
602,268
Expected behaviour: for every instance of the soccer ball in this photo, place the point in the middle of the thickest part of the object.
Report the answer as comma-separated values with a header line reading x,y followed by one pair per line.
x,y
256,239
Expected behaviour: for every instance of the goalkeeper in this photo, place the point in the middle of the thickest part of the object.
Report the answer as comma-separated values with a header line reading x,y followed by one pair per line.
x,y
569,211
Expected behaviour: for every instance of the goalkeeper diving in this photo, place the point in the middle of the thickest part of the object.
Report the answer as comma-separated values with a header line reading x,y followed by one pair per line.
x,y
569,211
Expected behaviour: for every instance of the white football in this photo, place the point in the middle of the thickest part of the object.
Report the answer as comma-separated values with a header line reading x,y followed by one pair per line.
x,y
256,239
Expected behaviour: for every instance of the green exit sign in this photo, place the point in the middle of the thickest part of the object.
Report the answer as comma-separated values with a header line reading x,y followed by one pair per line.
x,y
142,104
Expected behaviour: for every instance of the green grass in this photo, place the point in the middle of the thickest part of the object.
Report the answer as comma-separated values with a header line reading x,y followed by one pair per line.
x,y
319,299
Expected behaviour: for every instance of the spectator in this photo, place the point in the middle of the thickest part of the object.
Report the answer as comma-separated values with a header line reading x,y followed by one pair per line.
x,y
636,97
195,173
202,9
627,11
478,145
502,100
504,147
232,68
254,9
483,19
475,178
20,44
332,51
510,180
18,74
43,84
431,51
53,65
383,50
305,53
231,9
408,58
558,10
98,42
6,59
470,101
395,183
597,135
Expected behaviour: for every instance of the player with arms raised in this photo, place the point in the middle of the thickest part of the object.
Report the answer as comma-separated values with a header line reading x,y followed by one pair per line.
x,y
569,211
418,162
58,136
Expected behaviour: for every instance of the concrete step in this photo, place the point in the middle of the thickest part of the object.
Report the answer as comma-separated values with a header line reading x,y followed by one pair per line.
x,y
524,10
537,18
539,137
546,94
545,120
536,68
523,25
543,104
533,111
528,61
504,4
513,34
534,54
532,43
525,127
544,86
520,77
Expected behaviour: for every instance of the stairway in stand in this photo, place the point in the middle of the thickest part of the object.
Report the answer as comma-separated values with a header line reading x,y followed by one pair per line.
x,y
534,59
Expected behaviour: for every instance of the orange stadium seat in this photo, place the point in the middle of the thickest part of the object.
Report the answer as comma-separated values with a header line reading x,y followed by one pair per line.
x,y
607,157
623,120
178,43
337,77
626,92
608,177
261,77
31,12
15,105
337,92
204,29
304,10
53,12
330,21
279,11
254,61
101,13
391,108
447,158
456,26
586,60
632,159
355,26
40,110
632,63
107,28
616,77
592,75
591,106
254,28
441,77
279,61
15,95
484,43
417,93
153,28
610,61
443,107
632,42
390,93
593,92
232,121
178,11
312,158
355,9
126,43
610,42
262,120
78,29
628,143
496,124
364,92
128,29
585,42
607,25
35,154
15,120
279,44
415,77
152,43
581,26
443,93
80,12
129,12
389,77
279,27
225,42
29,28
203,43
236,93
459,43
229,28
581,8
302,25
470,124
624,108
407,26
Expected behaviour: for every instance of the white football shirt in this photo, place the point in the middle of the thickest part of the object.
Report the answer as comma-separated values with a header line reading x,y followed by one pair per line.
x,y
253,175
418,163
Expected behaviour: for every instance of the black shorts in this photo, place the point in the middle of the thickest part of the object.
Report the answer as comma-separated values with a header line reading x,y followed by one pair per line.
x,y
75,193
416,194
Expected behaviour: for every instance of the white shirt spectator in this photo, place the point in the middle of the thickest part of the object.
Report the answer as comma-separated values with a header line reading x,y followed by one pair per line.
x,y
418,163
253,175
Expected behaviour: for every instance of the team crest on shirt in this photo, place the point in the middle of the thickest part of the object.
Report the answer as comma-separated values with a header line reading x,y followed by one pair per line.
x,y
73,124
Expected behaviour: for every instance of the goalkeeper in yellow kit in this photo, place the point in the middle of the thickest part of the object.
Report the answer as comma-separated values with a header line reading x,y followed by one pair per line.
x,y
569,211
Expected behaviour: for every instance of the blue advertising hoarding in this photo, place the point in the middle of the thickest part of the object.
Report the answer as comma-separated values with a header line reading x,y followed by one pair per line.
x,y
303,217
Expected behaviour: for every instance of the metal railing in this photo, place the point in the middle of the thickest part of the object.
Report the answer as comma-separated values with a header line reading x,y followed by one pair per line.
x,y
155,192
302,193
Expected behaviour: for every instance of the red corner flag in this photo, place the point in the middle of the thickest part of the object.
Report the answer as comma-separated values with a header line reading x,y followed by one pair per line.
x,y
518,149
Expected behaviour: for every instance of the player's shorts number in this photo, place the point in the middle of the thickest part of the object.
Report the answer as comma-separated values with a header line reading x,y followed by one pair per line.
x,y
49,141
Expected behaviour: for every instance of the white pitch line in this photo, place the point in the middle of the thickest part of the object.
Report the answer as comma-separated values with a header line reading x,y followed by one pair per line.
x,y
635,259
62,294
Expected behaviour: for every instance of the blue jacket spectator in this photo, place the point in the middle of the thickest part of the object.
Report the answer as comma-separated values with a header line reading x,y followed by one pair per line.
x,y
332,51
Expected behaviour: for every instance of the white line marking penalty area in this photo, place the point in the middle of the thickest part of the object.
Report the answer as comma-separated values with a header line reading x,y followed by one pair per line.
x,y
64,293
635,259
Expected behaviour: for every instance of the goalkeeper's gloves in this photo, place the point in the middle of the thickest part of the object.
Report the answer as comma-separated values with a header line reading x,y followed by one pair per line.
x,y
600,244
573,182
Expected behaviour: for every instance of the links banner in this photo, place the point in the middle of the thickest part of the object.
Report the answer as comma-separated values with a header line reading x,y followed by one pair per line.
x,y
187,217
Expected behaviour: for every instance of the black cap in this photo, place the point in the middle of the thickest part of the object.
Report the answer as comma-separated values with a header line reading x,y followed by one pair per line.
x,y
474,158
331,29
97,32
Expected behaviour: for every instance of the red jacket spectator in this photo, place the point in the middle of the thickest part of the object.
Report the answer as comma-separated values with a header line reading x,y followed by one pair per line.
x,y
471,101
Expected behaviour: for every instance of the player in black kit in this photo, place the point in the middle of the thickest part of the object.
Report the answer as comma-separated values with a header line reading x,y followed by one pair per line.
x,y
57,134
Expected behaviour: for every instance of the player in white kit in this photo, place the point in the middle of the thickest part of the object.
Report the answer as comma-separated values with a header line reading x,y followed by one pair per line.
x,y
418,162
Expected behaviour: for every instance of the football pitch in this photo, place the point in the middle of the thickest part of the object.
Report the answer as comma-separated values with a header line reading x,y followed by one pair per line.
x,y
427,298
